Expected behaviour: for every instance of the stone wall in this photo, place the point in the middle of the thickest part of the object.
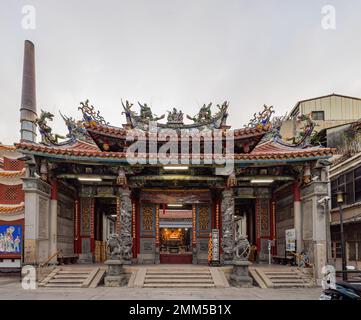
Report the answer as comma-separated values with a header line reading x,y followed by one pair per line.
x,y
65,224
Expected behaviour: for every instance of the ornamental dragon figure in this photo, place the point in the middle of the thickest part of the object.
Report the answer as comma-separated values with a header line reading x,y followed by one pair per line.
x,y
203,120
241,247
90,115
146,113
76,129
262,118
204,114
47,136
305,137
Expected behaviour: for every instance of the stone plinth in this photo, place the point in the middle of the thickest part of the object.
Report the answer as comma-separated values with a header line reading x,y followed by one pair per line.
x,y
116,276
240,276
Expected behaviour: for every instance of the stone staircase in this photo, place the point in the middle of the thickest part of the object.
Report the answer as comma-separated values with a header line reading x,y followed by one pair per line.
x,y
190,277
74,277
280,278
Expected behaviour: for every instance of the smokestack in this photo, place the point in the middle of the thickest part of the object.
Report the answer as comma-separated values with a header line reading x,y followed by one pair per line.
x,y
28,95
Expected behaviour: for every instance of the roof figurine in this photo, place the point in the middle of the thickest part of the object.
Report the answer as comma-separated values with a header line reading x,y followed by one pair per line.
x,y
175,117
47,136
90,115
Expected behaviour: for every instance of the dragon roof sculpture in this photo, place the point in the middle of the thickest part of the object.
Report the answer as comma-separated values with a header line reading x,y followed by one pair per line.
x,y
202,120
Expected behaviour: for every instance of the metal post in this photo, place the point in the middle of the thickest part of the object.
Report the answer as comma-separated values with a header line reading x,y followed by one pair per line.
x,y
343,252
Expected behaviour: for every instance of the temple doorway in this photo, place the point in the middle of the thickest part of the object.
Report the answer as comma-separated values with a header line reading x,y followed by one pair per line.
x,y
105,219
175,234
245,217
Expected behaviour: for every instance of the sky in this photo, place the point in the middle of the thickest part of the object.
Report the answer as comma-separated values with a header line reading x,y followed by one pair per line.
x,y
178,53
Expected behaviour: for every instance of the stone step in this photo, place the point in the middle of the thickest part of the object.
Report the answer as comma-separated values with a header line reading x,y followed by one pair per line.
x,y
287,281
178,281
71,276
279,273
173,276
66,281
63,285
74,272
291,285
284,276
179,272
178,285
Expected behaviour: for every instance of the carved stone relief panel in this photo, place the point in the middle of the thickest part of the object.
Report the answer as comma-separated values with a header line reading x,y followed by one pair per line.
x,y
43,218
148,221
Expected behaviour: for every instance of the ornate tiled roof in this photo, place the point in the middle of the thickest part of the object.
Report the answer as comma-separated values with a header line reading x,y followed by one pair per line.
x,y
274,150
122,132
267,151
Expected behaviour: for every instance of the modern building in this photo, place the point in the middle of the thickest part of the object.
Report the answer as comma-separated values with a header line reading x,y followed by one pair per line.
x,y
163,185
345,175
327,111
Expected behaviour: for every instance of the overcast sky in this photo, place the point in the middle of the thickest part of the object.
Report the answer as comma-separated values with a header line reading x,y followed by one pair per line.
x,y
177,53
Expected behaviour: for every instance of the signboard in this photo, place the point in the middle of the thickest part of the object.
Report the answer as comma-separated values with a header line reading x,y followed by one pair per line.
x,y
291,240
10,239
215,245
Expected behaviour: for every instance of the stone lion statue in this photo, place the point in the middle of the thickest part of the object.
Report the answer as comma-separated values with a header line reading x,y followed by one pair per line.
x,y
114,247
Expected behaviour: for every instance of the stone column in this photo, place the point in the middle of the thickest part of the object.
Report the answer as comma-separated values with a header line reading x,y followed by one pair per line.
x,y
126,224
227,211
37,208
297,216
53,219
314,231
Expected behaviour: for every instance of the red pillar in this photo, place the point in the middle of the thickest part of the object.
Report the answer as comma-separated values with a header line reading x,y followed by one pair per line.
x,y
54,190
138,225
296,191
258,229
219,220
272,211
77,240
92,241
134,227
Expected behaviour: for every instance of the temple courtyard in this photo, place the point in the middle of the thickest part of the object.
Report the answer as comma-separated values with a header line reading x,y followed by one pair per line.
x,y
11,289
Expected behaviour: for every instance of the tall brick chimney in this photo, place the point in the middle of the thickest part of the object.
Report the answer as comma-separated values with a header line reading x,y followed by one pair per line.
x,y
28,113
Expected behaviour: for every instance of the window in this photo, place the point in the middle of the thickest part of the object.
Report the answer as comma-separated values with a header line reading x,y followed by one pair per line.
x,y
351,250
318,115
350,183
333,193
350,194
336,249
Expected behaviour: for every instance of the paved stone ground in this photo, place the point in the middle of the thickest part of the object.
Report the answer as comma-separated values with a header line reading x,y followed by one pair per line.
x,y
10,289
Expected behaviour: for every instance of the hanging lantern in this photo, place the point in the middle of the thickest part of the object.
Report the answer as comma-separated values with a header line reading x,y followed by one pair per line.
x,y
121,179
232,180
44,170
306,174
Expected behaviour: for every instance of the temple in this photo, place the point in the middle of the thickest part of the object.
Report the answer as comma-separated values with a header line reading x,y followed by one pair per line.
x,y
164,183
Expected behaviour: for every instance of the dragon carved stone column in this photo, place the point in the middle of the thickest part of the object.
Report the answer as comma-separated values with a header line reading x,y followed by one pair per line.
x,y
227,209
126,224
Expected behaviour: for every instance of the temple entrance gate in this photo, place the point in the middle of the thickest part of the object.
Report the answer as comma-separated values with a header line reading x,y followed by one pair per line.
x,y
174,226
